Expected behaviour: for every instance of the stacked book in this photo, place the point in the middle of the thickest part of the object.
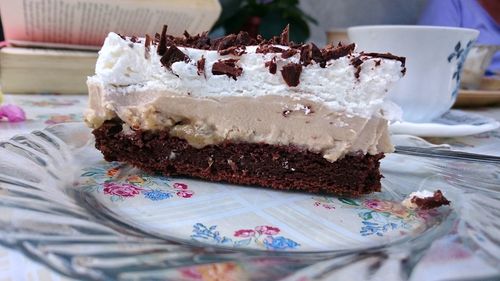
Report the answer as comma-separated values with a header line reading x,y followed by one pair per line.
x,y
54,49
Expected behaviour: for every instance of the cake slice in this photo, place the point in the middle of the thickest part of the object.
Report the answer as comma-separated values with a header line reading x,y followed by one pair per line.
x,y
269,113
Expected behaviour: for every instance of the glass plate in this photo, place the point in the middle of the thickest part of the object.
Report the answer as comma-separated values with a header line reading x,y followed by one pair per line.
x,y
62,205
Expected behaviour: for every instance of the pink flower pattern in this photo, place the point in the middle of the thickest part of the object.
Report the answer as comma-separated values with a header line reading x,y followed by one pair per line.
x,y
185,193
267,230
392,208
119,185
179,185
244,233
124,189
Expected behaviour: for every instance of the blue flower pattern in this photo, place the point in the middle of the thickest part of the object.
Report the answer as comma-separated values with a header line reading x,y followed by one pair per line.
x,y
270,242
210,234
459,54
279,243
156,195
375,223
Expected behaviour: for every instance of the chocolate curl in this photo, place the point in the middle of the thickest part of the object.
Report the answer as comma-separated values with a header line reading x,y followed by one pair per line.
x,y
288,53
291,74
227,67
173,55
134,39
162,45
357,62
200,65
317,56
273,67
147,47
333,53
284,37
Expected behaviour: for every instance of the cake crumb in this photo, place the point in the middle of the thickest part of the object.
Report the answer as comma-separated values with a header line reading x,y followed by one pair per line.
x,y
425,200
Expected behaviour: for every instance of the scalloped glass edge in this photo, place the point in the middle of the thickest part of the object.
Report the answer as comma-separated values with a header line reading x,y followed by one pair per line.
x,y
43,217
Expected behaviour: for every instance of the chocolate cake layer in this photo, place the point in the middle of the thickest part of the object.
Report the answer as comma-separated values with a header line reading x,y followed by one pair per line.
x,y
272,166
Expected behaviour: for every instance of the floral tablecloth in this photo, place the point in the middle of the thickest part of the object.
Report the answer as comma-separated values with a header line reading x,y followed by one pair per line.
x,y
446,254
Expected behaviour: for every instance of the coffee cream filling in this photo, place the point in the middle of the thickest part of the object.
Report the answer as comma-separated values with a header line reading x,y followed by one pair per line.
x,y
271,119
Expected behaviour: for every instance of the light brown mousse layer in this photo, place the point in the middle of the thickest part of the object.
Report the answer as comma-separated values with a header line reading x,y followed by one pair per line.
x,y
266,119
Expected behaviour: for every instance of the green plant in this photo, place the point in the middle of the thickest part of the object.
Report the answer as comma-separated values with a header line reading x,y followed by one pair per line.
x,y
265,17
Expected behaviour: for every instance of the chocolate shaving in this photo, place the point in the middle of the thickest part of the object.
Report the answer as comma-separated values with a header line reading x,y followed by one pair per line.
x,y
333,53
235,50
162,45
225,42
202,41
276,40
172,55
377,62
387,56
285,113
391,57
227,67
121,36
147,47
357,62
291,74
200,65
284,37
288,53
265,49
134,39
273,67
235,44
317,56
157,38
437,200
244,39
305,55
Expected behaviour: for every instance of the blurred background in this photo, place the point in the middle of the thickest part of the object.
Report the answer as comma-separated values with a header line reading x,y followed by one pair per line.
x,y
310,19
319,15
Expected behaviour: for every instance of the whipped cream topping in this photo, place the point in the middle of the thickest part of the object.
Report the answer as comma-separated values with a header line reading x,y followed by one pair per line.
x,y
124,66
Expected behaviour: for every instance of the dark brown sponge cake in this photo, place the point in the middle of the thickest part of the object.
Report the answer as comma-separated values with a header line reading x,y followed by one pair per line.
x,y
271,166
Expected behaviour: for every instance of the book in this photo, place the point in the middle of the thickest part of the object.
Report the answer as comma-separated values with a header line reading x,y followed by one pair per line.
x,y
34,71
53,44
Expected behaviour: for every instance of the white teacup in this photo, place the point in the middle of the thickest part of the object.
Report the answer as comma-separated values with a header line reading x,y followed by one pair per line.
x,y
434,60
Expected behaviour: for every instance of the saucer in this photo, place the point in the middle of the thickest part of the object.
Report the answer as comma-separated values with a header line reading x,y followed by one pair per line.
x,y
454,123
